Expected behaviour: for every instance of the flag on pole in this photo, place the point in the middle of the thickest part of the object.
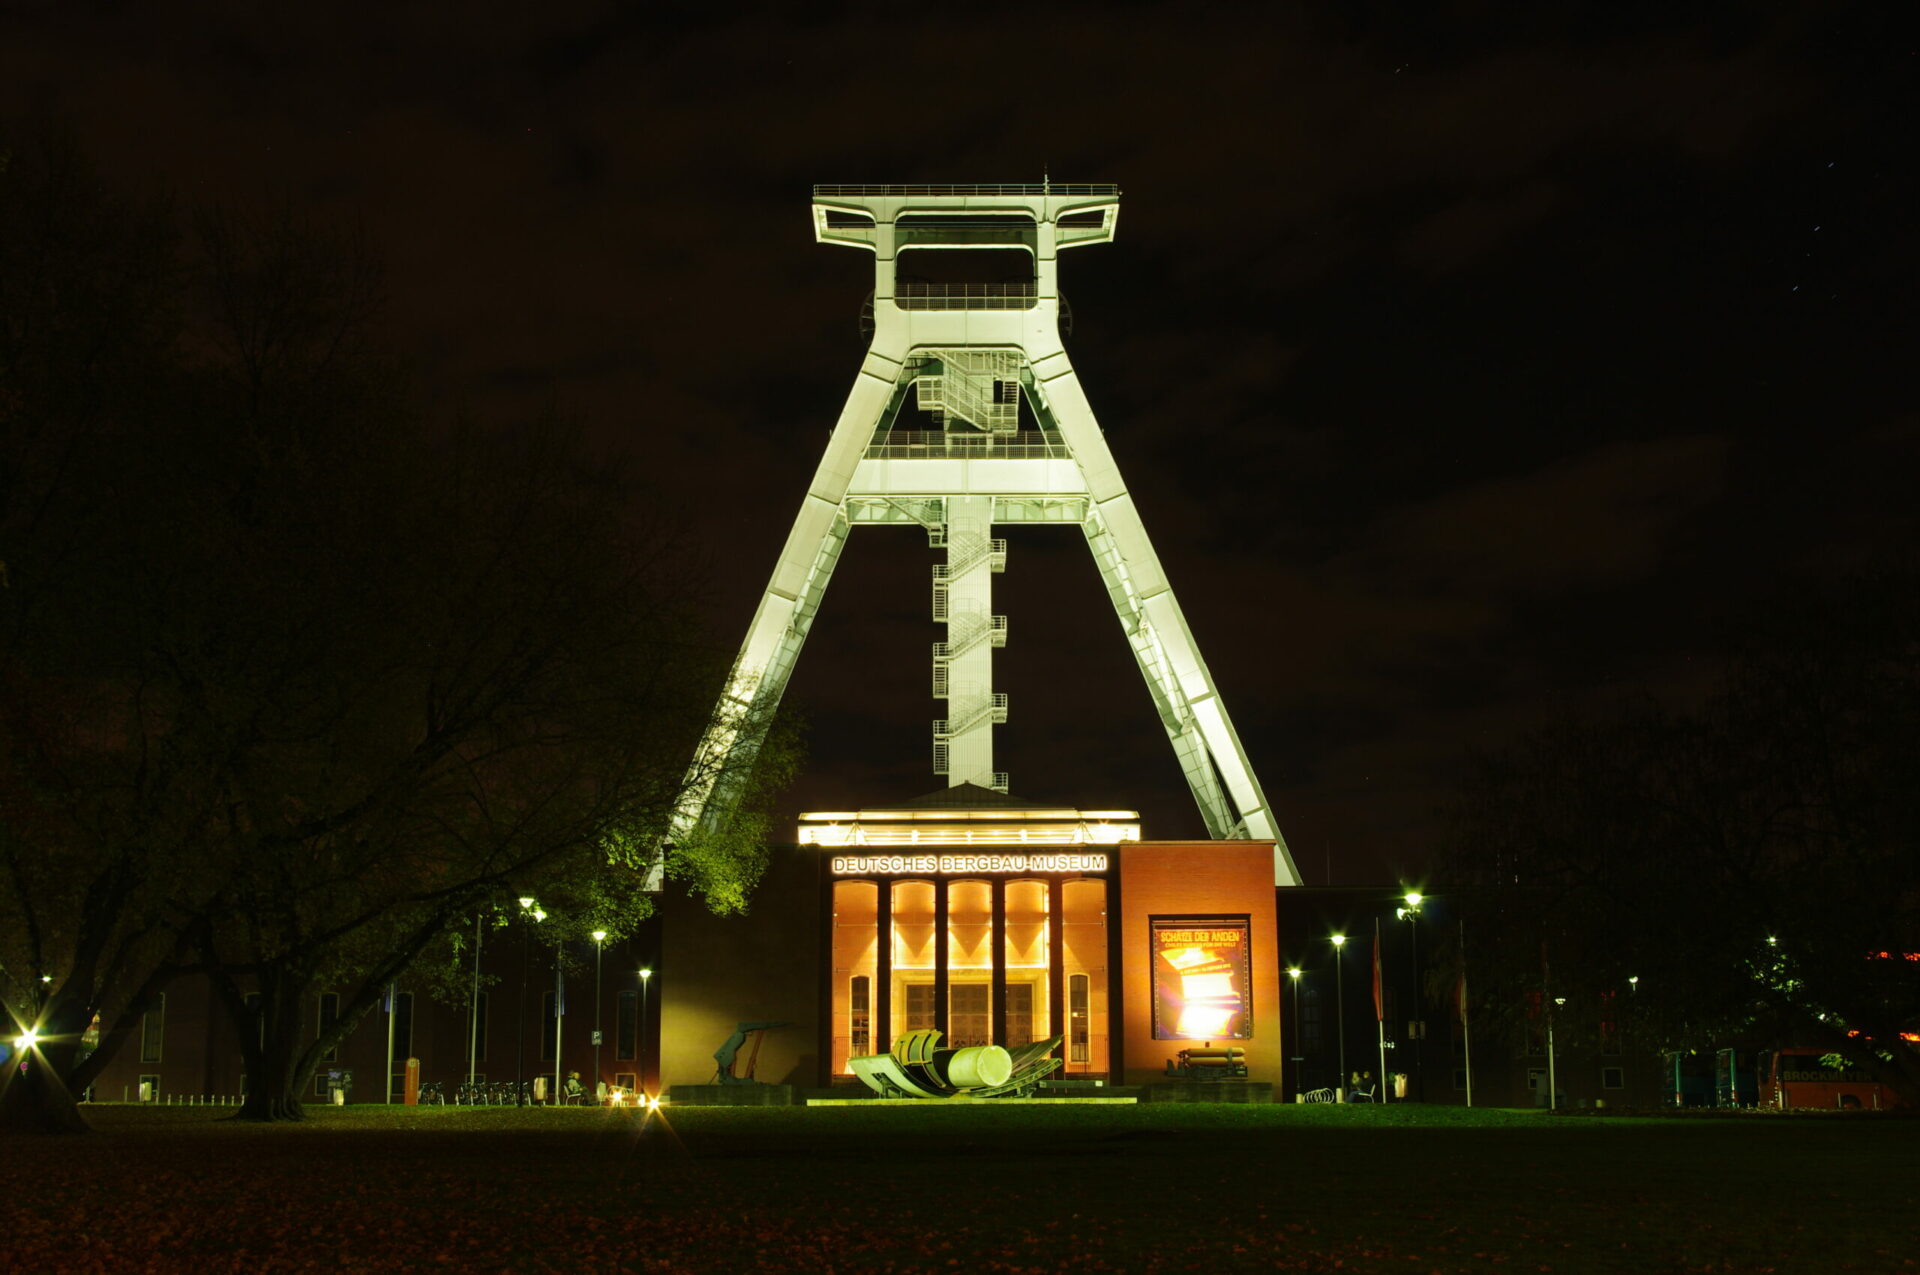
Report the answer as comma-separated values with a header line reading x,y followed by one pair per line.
x,y
1466,1035
1460,995
559,993
1379,997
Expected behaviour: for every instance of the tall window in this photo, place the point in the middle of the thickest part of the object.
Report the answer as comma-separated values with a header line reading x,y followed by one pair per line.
x,y
626,1026
919,1007
914,949
1079,1031
856,956
1609,1026
969,964
970,1014
1029,991
403,1026
1019,1015
1083,934
153,1029
860,1017
329,1017
1312,1021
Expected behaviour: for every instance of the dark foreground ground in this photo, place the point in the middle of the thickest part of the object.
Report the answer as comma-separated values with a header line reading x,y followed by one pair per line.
x,y
1175,1188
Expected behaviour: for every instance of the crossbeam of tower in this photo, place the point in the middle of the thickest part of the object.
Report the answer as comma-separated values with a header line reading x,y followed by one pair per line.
x,y
966,322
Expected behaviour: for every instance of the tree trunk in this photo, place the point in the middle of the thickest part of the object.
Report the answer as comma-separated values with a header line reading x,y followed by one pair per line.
x,y
269,1041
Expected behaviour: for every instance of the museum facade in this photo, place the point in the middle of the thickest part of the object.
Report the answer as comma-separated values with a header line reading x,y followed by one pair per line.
x,y
991,920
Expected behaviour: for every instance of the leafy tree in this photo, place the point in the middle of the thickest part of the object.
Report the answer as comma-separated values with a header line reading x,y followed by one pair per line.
x,y
1740,869
297,682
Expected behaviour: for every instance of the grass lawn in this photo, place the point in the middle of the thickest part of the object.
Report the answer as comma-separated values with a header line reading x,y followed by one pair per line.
x,y
1171,1187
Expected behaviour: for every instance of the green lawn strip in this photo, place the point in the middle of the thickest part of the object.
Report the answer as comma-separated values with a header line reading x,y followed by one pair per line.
x,y
1101,1188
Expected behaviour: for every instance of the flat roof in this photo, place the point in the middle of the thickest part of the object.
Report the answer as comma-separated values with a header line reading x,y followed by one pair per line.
x,y
967,188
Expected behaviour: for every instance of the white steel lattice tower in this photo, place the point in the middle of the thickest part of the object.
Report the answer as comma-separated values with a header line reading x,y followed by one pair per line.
x,y
965,315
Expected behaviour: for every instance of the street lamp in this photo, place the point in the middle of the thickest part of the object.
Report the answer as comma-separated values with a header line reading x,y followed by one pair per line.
x,y
473,1014
599,950
646,976
1339,942
1293,973
1416,1025
528,912
1553,1088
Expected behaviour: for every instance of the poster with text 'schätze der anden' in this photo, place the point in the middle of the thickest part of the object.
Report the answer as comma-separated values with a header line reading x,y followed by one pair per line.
x,y
1201,978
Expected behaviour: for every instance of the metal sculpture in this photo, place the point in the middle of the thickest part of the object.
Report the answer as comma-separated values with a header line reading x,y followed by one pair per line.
x,y
917,1068
724,1056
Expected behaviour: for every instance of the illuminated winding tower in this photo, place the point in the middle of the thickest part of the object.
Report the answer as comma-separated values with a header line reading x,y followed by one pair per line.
x,y
965,322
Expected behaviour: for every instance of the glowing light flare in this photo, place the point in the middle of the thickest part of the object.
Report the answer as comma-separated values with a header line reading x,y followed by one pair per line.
x,y
27,1039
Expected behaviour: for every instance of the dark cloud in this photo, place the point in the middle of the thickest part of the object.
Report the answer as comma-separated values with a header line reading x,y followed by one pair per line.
x,y
1465,365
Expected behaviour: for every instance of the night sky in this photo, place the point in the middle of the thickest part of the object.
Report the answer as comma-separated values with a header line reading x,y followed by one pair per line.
x,y
1467,369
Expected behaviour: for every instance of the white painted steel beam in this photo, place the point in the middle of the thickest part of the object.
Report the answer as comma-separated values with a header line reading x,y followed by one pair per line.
x,y
966,342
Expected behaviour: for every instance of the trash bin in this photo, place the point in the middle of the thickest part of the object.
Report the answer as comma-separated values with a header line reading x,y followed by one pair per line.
x,y
539,1088
339,1086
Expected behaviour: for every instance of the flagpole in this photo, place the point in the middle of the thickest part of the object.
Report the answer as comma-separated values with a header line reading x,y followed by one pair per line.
x,y
1379,1012
390,999
1466,1033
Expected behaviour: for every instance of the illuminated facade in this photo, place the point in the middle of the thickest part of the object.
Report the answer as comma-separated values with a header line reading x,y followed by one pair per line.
x,y
988,925
993,921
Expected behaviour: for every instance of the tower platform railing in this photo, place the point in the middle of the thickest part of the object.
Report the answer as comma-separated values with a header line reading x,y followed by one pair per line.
x,y
916,444
966,296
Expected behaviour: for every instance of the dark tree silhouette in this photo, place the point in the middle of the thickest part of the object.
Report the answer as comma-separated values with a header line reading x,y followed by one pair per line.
x,y
1748,860
295,679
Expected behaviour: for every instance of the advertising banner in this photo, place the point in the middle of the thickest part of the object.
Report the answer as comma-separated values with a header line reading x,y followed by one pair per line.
x,y
1202,986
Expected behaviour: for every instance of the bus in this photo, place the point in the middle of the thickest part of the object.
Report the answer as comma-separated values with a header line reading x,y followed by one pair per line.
x,y
1812,1078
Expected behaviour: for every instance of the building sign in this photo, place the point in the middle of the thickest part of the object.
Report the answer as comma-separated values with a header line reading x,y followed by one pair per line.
x,y
886,865
1201,978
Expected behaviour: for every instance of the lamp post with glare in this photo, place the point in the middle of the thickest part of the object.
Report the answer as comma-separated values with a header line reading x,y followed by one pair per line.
x,y
1339,942
1299,1044
599,950
1553,1087
1416,1025
528,913
473,1014
646,976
